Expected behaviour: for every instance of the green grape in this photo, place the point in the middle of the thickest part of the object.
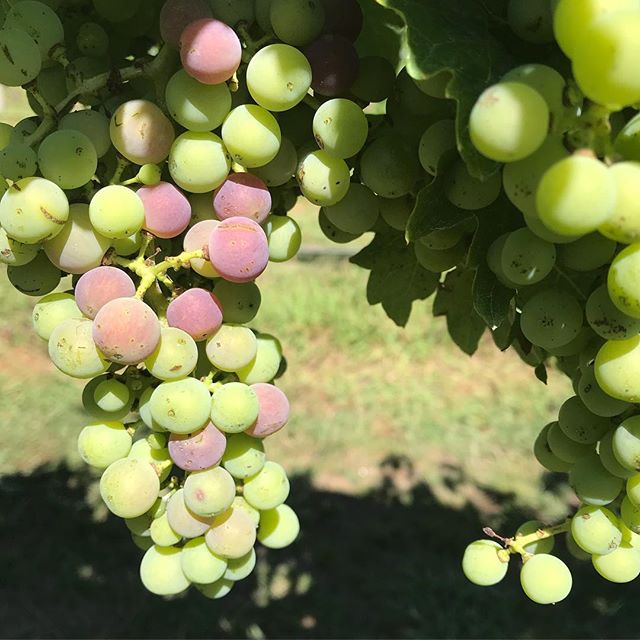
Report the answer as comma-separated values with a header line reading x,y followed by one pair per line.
x,y
141,542
232,534
240,503
542,545
626,443
604,59
244,456
574,549
18,161
545,579
595,399
623,280
626,142
623,225
576,195
127,246
183,521
545,80
112,396
483,564
629,538
90,406
331,231
536,225
509,121
544,455
357,212
219,588
575,347
375,79
267,489
469,193
251,135
161,532
620,566
24,129
279,527
92,40
200,564
606,319
51,310
526,259
241,568
33,210
323,179
232,12
282,168
196,106
39,21
397,211
565,448
161,571
630,515
231,347
409,97
140,525
209,492
595,530
102,443
587,253
531,21
521,179
72,350
609,460
296,22
633,489
389,167
175,356
20,58
129,487
617,369
551,318
93,124
181,406
159,459
67,158
593,483
116,212
440,260
340,127
199,161
150,174
284,238
579,424
240,302
234,407
438,139
278,77
266,363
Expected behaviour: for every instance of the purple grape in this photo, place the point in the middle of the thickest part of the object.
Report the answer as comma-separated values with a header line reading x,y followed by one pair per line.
x,y
343,18
274,410
197,312
242,194
175,15
101,285
334,65
198,451
167,211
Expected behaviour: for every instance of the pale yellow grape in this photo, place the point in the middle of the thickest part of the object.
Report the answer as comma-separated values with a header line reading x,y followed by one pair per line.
x,y
267,489
240,568
234,407
161,532
175,356
215,590
596,530
16,253
244,456
200,564
116,212
509,121
629,538
546,579
573,17
623,225
158,459
633,489
240,503
209,492
481,563
52,310
284,237
622,565
617,369
232,534
33,210
265,364
181,406
161,571
129,487
72,350
232,347
576,195
279,527
541,545
102,443
183,521
323,179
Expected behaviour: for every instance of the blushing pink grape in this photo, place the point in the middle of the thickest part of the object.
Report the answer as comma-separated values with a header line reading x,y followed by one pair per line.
x,y
126,330
167,211
273,413
198,451
198,238
197,312
175,15
210,51
238,249
242,194
101,285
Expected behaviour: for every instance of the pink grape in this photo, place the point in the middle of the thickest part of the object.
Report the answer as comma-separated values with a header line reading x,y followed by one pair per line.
x,y
198,451
198,238
210,51
197,312
101,285
238,249
126,330
167,211
273,413
175,15
242,194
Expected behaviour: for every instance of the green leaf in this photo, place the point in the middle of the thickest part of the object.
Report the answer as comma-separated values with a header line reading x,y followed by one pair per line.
x,y
381,33
396,278
491,299
541,373
454,35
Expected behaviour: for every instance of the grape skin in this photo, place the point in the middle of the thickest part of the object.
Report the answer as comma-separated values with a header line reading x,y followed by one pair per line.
x,y
264,366
595,529
323,179
196,239
175,15
232,347
184,522
197,312
268,489
481,563
73,351
20,59
198,451
232,534
234,407
161,571
181,406
199,564
167,211
244,456
101,285
129,487
546,579
617,368
340,127
51,310
175,356
279,527
102,443
209,492
240,568
242,194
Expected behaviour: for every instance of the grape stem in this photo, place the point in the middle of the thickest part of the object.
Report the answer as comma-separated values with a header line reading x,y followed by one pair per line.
x,y
518,544
251,46
311,101
116,178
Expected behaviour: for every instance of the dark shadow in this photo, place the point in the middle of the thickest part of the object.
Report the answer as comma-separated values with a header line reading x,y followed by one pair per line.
x,y
384,564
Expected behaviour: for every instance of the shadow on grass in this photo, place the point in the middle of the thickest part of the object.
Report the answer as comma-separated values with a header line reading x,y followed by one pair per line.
x,y
384,564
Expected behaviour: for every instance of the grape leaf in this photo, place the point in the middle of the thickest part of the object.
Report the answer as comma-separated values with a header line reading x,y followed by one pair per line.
x,y
491,299
454,36
541,373
396,278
